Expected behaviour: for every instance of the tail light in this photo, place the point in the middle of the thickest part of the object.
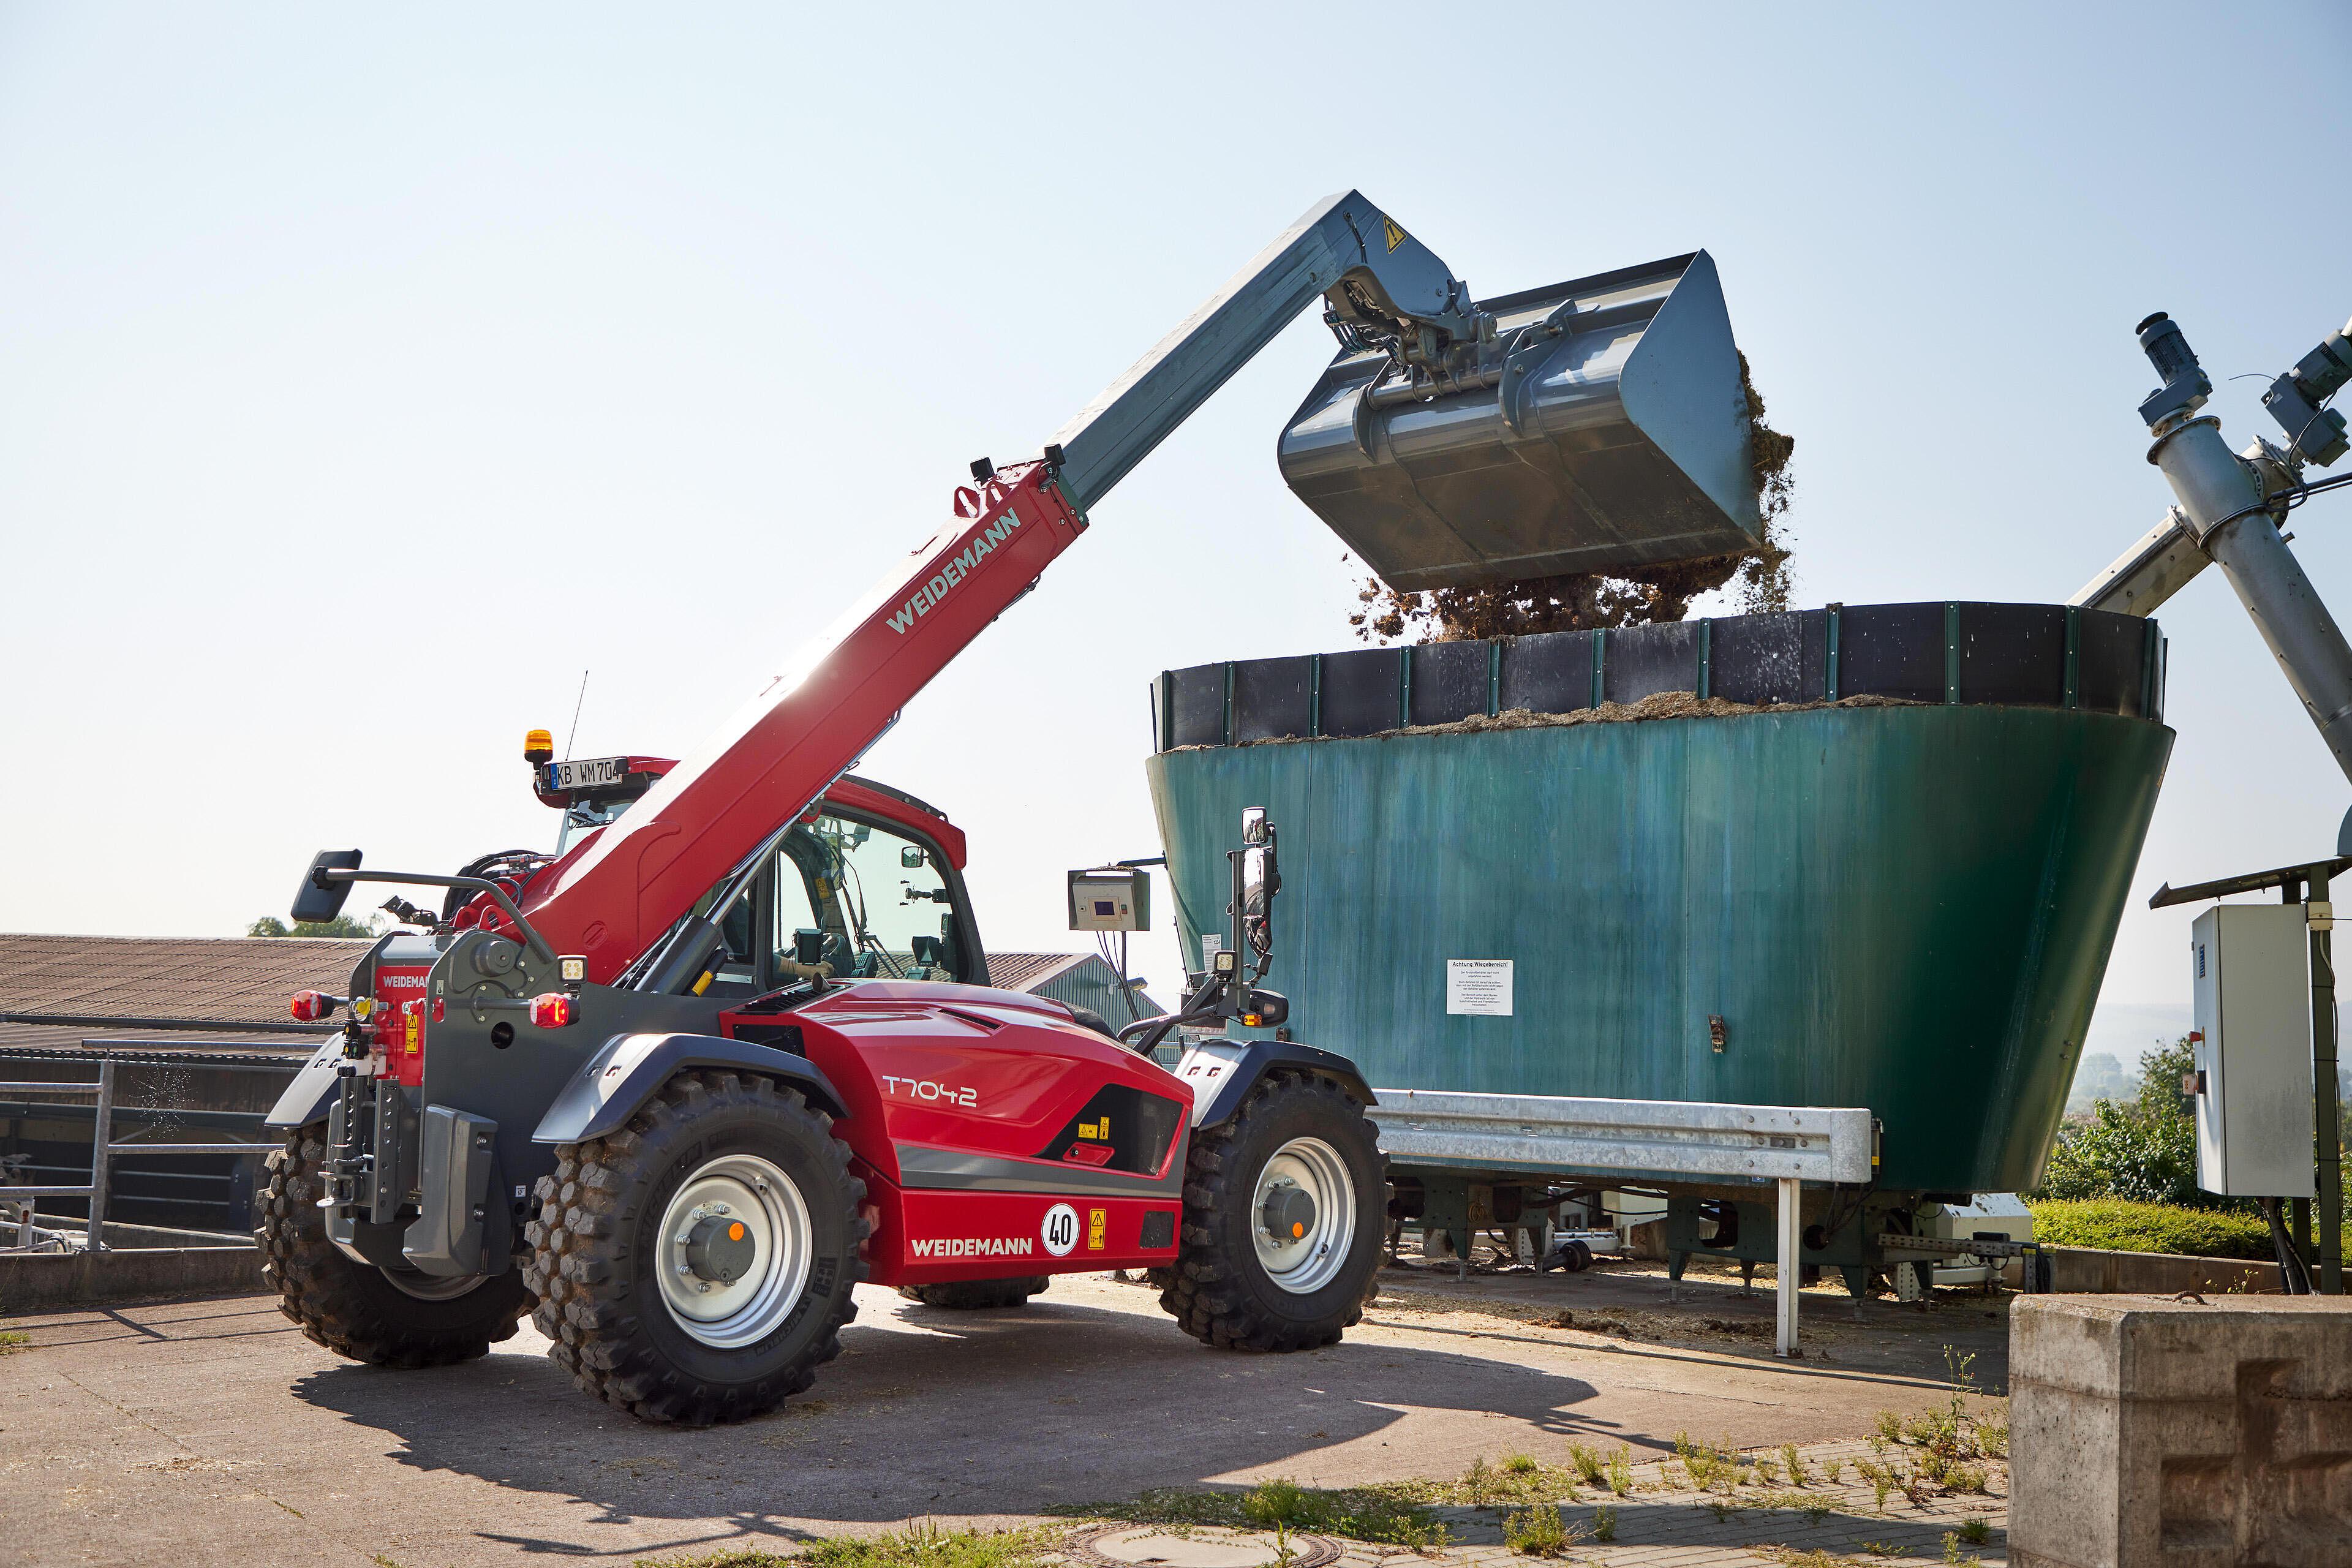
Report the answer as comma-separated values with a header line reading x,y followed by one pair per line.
x,y
310,1006
550,1010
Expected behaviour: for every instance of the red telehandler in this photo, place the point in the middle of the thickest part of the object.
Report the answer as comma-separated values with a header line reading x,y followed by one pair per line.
x,y
678,1089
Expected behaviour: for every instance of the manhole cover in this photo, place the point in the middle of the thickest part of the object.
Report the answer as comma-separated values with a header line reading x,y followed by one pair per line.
x,y
1155,1546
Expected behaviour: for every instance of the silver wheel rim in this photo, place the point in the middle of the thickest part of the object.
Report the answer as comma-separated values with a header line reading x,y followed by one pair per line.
x,y
1303,1265
424,1287
744,1311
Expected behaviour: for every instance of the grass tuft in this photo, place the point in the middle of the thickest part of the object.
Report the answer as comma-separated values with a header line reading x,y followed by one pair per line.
x,y
1591,1469
1391,1515
1538,1533
923,1545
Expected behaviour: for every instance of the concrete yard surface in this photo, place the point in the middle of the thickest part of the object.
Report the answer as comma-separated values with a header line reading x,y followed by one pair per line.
x,y
212,1431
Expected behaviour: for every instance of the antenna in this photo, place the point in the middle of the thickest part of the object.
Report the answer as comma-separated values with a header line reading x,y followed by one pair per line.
x,y
576,706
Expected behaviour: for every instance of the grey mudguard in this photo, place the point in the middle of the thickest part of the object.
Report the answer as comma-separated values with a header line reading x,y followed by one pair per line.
x,y
1220,1073
312,1090
611,1085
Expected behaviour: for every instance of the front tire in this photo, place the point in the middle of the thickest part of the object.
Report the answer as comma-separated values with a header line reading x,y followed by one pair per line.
x,y
1285,1216
978,1295
696,1266
353,1308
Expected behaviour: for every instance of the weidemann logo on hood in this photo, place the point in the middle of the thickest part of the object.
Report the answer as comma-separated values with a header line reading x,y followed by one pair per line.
x,y
954,572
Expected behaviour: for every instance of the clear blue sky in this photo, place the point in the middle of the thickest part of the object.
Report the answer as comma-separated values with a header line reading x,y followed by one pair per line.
x,y
366,372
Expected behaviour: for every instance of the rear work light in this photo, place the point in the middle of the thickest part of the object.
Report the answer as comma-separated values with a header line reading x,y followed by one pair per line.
x,y
552,1010
310,1006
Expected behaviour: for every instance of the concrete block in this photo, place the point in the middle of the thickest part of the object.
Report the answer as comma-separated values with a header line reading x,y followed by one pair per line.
x,y
2090,1270
34,1281
2147,1431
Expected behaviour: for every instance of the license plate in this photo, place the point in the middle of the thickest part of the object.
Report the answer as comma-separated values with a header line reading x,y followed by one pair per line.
x,y
587,772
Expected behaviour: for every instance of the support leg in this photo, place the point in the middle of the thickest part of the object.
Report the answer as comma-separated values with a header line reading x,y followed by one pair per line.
x,y
1785,1342
2323,1052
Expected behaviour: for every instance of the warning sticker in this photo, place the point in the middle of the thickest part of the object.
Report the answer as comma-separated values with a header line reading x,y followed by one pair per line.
x,y
1479,987
1097,1224
1395,235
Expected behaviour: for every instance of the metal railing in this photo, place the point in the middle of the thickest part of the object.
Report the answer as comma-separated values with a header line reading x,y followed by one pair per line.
x,y
102,1150
1786,1144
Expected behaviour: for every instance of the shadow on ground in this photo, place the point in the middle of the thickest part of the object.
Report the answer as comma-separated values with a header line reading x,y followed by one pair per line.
x,y
1052,1403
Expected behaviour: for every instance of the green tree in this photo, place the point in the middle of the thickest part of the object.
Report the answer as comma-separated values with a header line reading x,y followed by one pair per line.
x,y
342,925
2144,1148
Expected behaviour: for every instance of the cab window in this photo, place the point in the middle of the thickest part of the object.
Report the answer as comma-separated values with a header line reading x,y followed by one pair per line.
x,y
871,903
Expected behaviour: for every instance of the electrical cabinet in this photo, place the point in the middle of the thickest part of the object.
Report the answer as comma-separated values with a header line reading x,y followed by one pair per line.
x,y
1115,898
2252,1082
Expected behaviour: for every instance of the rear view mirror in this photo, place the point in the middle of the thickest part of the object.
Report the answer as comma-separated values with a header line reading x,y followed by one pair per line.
x,y
911,857
1260,881
1254,826
318,900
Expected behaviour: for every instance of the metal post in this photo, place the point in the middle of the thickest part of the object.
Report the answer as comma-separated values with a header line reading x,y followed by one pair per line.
x,y
2325,1112
25,1230
1785,1339
99,1152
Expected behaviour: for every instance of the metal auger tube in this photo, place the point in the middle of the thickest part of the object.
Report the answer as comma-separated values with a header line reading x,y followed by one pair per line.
x,y
2214,484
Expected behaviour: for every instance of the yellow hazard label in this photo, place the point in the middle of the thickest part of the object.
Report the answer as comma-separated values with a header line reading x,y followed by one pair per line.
x,y
1095,1129
1395,235
1098,1221
414,1029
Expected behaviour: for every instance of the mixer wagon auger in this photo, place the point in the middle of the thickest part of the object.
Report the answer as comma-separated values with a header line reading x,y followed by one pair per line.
x,y
678,1089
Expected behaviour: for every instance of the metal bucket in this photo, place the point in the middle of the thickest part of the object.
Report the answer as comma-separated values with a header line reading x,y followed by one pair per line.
x,y
1603,429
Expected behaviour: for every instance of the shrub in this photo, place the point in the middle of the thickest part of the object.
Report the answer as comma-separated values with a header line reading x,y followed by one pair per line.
x,y
2121,1226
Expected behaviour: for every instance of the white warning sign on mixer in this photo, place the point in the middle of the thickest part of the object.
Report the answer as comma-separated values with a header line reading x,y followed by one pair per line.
x,y
1478,986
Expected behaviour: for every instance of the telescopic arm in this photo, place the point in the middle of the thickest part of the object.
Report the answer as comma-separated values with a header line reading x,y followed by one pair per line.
x,y
622,886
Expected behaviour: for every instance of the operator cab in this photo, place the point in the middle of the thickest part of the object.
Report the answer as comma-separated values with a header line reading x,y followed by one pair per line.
x,y
861,889
866,884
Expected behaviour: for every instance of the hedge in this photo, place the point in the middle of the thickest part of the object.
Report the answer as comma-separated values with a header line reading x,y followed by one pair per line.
x,y
2119,1226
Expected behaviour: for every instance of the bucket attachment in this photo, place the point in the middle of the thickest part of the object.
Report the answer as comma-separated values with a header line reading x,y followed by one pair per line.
x,y
1601,427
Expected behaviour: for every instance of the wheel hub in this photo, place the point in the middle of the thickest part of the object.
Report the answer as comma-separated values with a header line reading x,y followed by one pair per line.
x,y
1305,1203
734,1251
722,1250
1288,1212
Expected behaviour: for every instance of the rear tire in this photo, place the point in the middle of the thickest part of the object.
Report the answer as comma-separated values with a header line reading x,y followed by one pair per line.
x,y
626,1316
978,1295
351,1308
1237,1285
